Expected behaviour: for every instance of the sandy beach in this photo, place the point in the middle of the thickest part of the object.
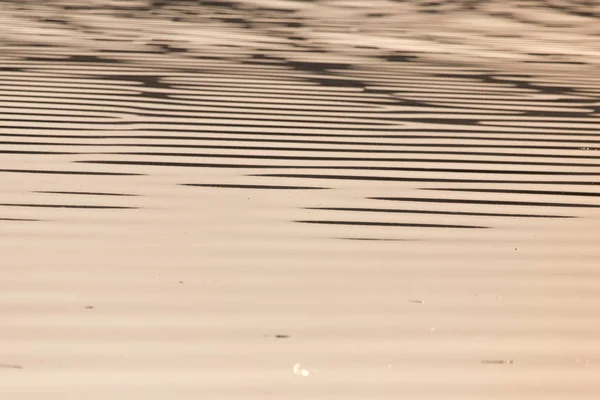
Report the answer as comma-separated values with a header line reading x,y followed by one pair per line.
x,y
299,200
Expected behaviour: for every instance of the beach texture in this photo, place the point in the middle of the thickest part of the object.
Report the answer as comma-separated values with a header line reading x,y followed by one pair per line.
x,y
299,200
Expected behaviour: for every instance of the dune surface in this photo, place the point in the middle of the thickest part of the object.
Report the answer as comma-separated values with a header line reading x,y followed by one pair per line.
x,y
299,200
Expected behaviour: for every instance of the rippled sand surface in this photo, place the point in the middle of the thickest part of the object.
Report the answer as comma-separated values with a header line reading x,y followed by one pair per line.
x,y
299,200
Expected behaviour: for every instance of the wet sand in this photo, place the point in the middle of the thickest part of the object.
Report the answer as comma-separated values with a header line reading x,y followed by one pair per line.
x,y
299,200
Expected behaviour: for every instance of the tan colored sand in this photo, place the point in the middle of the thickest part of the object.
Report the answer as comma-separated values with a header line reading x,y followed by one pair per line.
x,y
216,293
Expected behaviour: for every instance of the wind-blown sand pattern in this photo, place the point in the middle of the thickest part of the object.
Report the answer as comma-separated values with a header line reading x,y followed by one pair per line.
x,y
299,200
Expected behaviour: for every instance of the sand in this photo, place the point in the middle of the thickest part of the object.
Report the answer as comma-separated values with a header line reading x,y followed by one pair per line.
x,y
299,200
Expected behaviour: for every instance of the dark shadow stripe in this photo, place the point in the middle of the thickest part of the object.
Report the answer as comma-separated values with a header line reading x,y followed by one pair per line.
x,y
20,219
357,159
310,149
450,136
490,202
371,151
552,62
377,240
380,136
518,191
349,167
412,144
34,151
592,128
449,132
433,180
34,171
67,206
432,212
394,224
299,141
252,122
118,107
85,193
460,129
175,164
263,121
215,185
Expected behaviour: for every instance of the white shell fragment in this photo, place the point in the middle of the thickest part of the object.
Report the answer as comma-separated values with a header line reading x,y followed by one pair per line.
x,y
299,370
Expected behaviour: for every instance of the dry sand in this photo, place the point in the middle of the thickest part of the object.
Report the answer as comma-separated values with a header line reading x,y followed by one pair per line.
x,y
299,200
